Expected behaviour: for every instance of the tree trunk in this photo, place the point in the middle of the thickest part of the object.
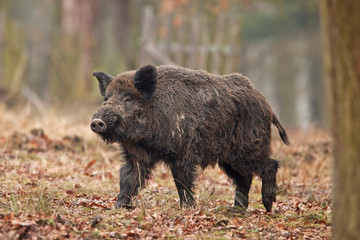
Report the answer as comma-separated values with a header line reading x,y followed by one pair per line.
x,y
78,19
122,24
341,34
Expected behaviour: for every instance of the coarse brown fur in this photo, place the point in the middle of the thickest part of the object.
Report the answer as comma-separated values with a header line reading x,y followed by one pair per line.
x,y
188,119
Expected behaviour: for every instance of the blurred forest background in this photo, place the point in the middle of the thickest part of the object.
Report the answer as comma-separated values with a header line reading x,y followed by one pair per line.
x,y
49,48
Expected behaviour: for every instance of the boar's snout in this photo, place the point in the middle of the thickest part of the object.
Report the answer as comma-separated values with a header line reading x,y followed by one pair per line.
x,y
98,125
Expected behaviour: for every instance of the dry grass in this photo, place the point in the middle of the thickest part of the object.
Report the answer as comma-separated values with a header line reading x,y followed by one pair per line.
x,y
64,184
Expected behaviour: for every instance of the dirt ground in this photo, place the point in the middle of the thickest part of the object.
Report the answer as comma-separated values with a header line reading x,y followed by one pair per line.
x,y
59,180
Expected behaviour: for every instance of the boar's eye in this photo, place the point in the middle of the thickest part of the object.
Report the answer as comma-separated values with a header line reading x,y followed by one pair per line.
x,y
107,96
128,99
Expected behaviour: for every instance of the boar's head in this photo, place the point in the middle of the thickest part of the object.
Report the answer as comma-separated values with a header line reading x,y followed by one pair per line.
x,y
126,97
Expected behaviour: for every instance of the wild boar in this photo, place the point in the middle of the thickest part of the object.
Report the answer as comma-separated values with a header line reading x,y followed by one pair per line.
x,y
188,119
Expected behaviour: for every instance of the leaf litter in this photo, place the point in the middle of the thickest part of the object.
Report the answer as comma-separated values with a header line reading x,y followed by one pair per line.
x,y
58,185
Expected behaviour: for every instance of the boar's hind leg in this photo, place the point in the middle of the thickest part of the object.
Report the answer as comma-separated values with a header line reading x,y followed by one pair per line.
x,y
132,177
242,183
268,190
184,180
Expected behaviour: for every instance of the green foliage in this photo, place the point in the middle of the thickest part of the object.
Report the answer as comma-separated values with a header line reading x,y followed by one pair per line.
x,y
14,58
280,20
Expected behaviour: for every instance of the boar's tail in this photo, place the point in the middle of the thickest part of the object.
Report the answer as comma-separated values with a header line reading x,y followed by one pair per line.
x,y
282,131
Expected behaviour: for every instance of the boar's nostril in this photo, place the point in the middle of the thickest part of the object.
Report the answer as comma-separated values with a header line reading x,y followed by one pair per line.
x,y
98,125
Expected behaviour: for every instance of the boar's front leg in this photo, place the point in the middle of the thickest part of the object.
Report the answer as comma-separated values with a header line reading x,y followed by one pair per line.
x,y
184,177
132,177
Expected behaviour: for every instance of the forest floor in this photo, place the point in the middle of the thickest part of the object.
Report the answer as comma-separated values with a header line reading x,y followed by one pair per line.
x,y
59,180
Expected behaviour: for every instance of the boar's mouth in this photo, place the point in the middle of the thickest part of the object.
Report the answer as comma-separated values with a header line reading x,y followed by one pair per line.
x,y
108,137
105,128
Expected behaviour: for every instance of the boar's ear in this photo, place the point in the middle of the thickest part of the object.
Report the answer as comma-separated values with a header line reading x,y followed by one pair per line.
x,y
104,80
145,80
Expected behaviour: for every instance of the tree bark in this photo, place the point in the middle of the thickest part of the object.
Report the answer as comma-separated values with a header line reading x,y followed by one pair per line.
x,y
122,23
78,18
341,34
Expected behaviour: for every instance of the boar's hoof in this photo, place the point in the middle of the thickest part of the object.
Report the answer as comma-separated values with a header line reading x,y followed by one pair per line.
x,y
268,204
98,125
241,204
124,205
123,202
